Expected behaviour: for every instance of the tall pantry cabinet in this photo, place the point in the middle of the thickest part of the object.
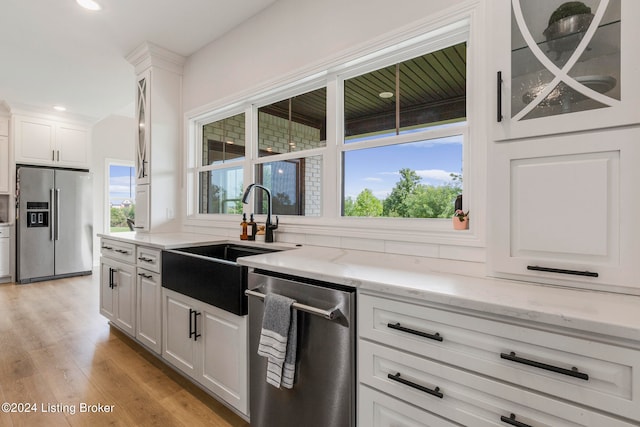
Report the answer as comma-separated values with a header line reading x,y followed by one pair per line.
x,y
566,143
158,121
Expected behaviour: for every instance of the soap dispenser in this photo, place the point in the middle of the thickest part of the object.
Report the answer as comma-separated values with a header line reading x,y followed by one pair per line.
x,y
251,229
243,225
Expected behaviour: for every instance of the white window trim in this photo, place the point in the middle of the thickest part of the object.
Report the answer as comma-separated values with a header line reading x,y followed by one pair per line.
x,y
108,162
441,31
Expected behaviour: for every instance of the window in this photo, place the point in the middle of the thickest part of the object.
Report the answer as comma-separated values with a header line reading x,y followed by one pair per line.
x,y
221,169
403,137
295,125
384,135
121,181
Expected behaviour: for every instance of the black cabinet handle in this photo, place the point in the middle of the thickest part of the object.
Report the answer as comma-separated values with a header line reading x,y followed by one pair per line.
x,y
145,259
562,271
146,276
399,327
499,94
122,251
193,324
573,372
435,392
111,277
511,420
107,247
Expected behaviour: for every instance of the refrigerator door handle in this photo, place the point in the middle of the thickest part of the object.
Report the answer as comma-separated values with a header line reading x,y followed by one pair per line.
x,y
57,214
53,213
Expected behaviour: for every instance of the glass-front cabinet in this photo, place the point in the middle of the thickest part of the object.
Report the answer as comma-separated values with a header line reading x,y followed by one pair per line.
x,y
565,66
143,131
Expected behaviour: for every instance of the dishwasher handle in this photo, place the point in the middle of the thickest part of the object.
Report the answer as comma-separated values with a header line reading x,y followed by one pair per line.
x,y
331,314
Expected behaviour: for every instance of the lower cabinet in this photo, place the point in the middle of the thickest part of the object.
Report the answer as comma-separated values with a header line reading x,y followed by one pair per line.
x,y
426,366
118,294
209,345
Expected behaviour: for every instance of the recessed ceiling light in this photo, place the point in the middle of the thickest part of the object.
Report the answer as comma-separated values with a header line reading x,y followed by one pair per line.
x,y
89,4
385,95
59,108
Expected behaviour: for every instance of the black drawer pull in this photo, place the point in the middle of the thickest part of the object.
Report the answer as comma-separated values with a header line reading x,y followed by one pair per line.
x,y
398,327
435,392
499,94
146,276
107,247
573,372
145,259
512,421
562,271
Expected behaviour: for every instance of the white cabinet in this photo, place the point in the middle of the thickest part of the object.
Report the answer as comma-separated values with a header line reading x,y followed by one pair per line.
x,y
5,251
158,135
480,371
142,207
4,164
209,345
117,294
118,284
563,209
52,143
149,298
572,74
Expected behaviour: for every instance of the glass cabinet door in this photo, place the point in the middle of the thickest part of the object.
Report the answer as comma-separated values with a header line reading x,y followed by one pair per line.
x,y
142,135
570,63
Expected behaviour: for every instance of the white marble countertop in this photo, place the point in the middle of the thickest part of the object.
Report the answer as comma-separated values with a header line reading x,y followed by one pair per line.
x,y
405,276
418,278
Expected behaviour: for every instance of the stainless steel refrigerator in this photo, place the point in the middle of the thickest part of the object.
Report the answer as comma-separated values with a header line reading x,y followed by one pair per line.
x,y
54,224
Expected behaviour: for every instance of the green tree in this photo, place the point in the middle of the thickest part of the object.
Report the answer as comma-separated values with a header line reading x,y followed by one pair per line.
x,y
367,204
349,207
397,202
117,218
428,201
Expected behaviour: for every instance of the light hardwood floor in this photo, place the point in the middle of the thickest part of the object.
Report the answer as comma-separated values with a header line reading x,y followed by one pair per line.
x,y
57,353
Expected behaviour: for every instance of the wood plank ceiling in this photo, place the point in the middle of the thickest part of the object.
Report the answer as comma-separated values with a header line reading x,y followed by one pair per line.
x,y
432,88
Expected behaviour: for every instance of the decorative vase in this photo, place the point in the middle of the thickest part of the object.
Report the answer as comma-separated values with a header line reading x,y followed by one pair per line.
x,y
460,225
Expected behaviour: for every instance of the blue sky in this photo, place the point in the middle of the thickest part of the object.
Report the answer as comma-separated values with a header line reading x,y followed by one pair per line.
x,y
377,168
122,182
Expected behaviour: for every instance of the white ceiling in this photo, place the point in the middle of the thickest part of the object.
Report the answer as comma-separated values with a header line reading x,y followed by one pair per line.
x,y
54,52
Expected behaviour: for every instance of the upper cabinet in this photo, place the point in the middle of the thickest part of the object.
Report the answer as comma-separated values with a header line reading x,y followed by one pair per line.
x,y
4,155
48,142
143,120
565,67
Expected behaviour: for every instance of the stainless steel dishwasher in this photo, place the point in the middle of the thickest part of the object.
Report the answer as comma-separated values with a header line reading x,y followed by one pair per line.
x,y
324,389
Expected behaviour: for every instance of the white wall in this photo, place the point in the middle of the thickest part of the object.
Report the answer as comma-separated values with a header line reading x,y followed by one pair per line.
x,y
112,138
289,36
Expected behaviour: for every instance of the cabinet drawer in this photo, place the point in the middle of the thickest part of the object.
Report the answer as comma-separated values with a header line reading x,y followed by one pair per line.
x,y
118,250
466,398
379,410
485,346
148,258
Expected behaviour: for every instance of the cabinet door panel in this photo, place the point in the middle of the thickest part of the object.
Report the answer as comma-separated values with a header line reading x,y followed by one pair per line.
x,y
4,164
178,346
35,141
125,284
106,292
584,189
224,356
148,320
73,145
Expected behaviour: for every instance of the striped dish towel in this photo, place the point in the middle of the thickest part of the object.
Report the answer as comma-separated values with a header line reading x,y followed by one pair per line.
x,y
278,340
